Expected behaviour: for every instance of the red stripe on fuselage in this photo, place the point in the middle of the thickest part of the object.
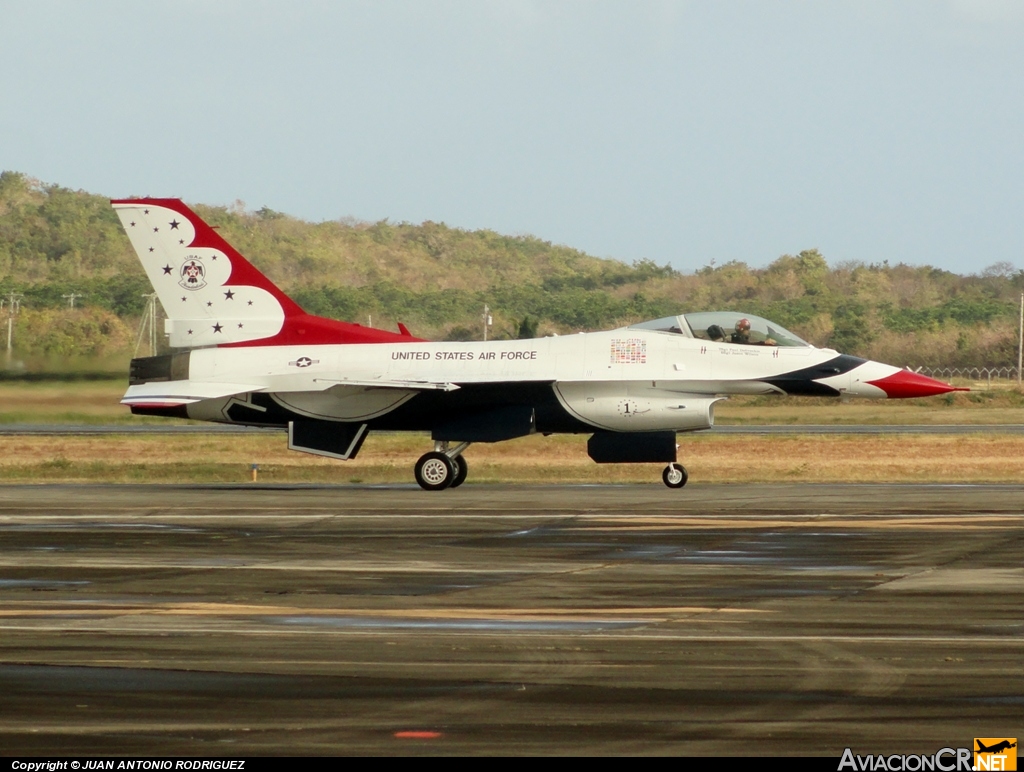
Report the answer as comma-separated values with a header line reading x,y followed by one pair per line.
x,y
316,330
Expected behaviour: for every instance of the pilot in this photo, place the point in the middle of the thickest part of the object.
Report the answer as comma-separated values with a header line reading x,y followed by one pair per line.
x,y
716,333
741,334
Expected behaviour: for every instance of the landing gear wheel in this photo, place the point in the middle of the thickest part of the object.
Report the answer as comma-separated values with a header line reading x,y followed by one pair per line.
x,y
461,470
675,476
434,471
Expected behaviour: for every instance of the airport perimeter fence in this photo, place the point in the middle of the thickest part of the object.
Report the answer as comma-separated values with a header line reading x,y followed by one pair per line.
x,y
972,373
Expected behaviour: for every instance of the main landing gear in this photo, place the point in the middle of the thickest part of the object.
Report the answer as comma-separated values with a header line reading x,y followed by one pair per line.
x,y
675,475
443,467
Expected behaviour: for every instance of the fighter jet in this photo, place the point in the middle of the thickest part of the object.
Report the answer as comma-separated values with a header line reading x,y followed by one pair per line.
x,y
1002,745
247,354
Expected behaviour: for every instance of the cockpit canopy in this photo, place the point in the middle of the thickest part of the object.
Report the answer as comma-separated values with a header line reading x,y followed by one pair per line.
x,y
725,327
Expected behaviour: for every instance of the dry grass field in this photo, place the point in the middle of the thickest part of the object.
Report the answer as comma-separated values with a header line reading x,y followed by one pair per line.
x,y
389,458
97,402
62,402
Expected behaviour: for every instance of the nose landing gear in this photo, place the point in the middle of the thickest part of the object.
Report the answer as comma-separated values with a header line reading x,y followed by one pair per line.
x,y
443,467
675,475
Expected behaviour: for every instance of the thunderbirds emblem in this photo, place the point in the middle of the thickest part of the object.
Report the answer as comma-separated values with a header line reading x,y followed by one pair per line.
x,y
193,274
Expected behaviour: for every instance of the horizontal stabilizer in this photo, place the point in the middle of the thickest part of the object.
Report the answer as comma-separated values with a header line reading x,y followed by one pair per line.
x,y
170,393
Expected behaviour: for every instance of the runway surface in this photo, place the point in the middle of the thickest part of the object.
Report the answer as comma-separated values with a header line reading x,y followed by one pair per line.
x,y
732,619
93,429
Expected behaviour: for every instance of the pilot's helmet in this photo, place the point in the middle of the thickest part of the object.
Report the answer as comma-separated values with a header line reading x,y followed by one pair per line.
x,y
743,325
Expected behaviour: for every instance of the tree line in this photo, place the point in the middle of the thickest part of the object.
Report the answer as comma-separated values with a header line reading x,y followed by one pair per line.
x,y
436,279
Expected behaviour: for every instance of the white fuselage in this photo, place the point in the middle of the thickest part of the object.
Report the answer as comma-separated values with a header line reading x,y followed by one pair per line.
x,y
619,380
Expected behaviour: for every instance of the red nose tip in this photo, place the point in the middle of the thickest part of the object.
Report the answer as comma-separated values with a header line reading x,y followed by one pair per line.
x,y
906,384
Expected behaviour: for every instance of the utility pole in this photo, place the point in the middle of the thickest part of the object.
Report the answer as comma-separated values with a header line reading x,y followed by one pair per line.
x,y
71,299
148,318
152,324
1020,340
488,321
13,302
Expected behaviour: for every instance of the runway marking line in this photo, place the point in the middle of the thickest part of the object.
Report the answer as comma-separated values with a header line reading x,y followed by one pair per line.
x,y
351,566
141,727
74,520
911,522
227,609
503,635
301,666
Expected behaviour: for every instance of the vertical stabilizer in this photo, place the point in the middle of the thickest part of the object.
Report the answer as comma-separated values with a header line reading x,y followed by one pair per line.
x,y
212,295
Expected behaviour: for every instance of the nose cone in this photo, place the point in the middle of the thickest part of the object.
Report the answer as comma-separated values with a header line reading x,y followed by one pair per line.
x,y
905,383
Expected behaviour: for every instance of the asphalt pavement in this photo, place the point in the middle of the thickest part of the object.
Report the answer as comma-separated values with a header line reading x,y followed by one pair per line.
x,y
307,619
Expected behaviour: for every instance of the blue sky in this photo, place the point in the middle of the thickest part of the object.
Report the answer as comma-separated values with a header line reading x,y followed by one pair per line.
x,y
683,132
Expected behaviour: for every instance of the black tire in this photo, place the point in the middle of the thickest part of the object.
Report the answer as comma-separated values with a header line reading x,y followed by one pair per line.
x,y
434,471
461,470
675,476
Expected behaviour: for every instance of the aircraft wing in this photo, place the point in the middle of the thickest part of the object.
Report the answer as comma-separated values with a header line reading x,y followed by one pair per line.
x,y
382,384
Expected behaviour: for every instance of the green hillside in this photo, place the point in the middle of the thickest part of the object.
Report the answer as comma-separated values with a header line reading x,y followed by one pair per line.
x,y
436,279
